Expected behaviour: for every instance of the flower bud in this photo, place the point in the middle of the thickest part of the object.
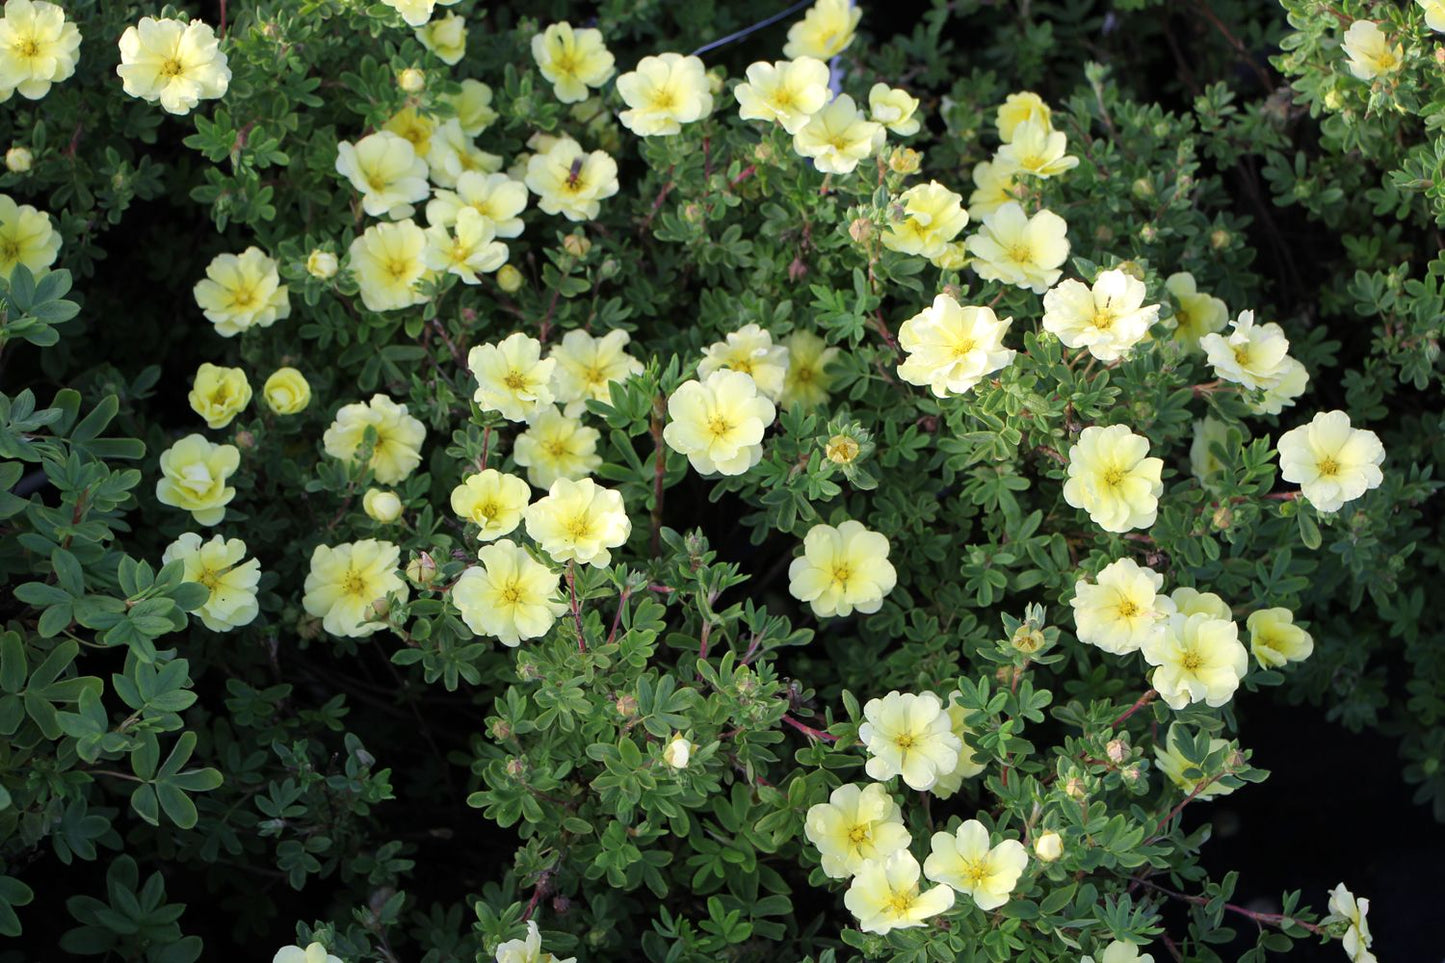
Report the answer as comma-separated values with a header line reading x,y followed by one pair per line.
x,y
904,160
678,752
1334,101
411,80
1103,234
1219,239
1142,188
18,160
422,569
509,279
380,607
1132,774
501,730
626,706
1223,518
516,768
1148,233
692,213
763,153
1048,846
576,244
1074,788
286,392
1117,751
245,440
1027,639
609,269
842,449
527,670
861,230
383,506
322,265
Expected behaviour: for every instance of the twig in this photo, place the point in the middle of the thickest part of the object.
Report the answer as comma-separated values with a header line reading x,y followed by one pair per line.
x,y
1273,919
1142,701
809,730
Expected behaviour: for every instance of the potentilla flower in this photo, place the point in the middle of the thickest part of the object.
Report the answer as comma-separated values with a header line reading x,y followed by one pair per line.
x,y
571,182
910,735
993,187
26,237
467,249
510,597
385,169
194,472
1121,611
447,38
414,12
842,569
965,861
217,565
1020,250
381,506
556,446
322,264
496,197
1198,314
314,953
242,291
219,394
1111,478
836,137
286,391
1020,108
1252,355
1434,14
1120,951
1108,319
579,520
528,950
572,60
924,220
749,349
663,93
718,423
178,64
492,501
1203,463
1191,601
1037,149
677,753
388,262
1369,52
396,452
949,347
885,895
38,47
512,377
1274,639
414,127
1357,938
1183,774
825,30
587,366
453,153
348,584
894,108
949,782
854,826
473,106
1048,846
1199,659
1331,461
1293,380
808,381
785,92
18,160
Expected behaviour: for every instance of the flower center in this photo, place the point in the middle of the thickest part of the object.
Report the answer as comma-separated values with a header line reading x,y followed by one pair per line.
x,y
901,903
9,250
28,48
354,584
859,834
905,741
1329,467
841,575
963,348
514,380
1192,661
975,871
172,68
1113,476
398,268
718,426
579,527
1128,608
1019,253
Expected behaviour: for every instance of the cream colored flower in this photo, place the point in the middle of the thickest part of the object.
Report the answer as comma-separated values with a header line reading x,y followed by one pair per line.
x,y
466,250
473,106
1122,611
314,953
389,262
1111,478
1332,462
1020,108
528,950
1203,463
217,565
924,220
1037,149
492,501
194,473
1191,601
1048,846
178,64
1108,319
496,197
841,570
1357,938
677,753
1369,52
826,30
38,47
572,60
785,92
242,291
1016,249
26,237
348,585
964,860
808,381
555,446
381,506
286,391
396,452
949,348
909,735
749,349
453,153
447,38
885,895
510,597
1199,314
587,367
951,781
894,108
570,182
414,12
322,265
512,377
1120,951
385,169
1434,14
1254,356
836,137
718,423
1275,640
993,187
663,93
1293,380
579,520
414,127
1179,771
854,826
219,394
1199,659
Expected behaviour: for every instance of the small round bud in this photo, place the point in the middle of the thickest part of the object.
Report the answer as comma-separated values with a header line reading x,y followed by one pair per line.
x,y
411,80
322,265
1219,239
422,569
842,449
1048,846
501,730
509,279
18,160
861,230
527,670
1223,518
678,751
1117,750
692,213
383,506
1334,101
1027,639
1148,233
380,607
609,268
1142,188
1074,788
626,706
1132,774
245,440
763,153
516,768
576,245
904,160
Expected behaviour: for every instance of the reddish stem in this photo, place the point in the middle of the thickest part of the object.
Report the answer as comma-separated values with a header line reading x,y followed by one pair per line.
x,y
809,730
1143,701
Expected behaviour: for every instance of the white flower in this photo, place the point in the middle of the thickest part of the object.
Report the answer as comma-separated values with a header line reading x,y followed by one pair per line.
x,y
749,349
842,569
718,423
1108,319
1121,613
1357,938
950,348
1016,249
965,861
1332,462
1199,659
678,752
1252,355
910,735
385,169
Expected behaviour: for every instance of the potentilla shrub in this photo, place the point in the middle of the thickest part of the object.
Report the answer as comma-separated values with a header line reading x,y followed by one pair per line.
x,y
803,498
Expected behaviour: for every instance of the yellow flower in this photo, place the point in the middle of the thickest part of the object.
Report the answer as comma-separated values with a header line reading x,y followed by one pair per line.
x,y
993,187
1021,108
496,197
1275,639
718,423
749,349
837,137
219,394
785,92
388,261
924,219
678,752
381,506
950,781
1120,951
242,291
1122,611
512,377
1199,314
178,64
385,169
414,127
314,953
1016,249
511,596
1202,460
452,153
193,477
38,47
1107,319
526,951
217,565
1191,601
894,108
579,521
26,237
663,93
1048,846
348,585
949,347
322,264
808,381
447,38
1357,939
556,446
885,895
572,60
825,30
492,501
1185,775
1434,13
569,182
1292,381
1037,149
1199,659
1255,356
964,861
286,391
468,248
1369,52
842,569
397,450
586,366
414,12
1111,478
1332,462
473,106
910,735
854,826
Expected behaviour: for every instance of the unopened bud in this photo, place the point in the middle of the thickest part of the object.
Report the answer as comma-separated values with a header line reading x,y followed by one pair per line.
x,y
1223,518
1131,774
904,160
1220,239
18,160
527,670
411,80
509,279
576,245
1142,188
678,752
245,440
380,607
501,730
1048,846
516,768
322,265
1074,788
861,230
422,569
763,153
692,213
626,706
1117,750
609,269
1148,233
384,507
